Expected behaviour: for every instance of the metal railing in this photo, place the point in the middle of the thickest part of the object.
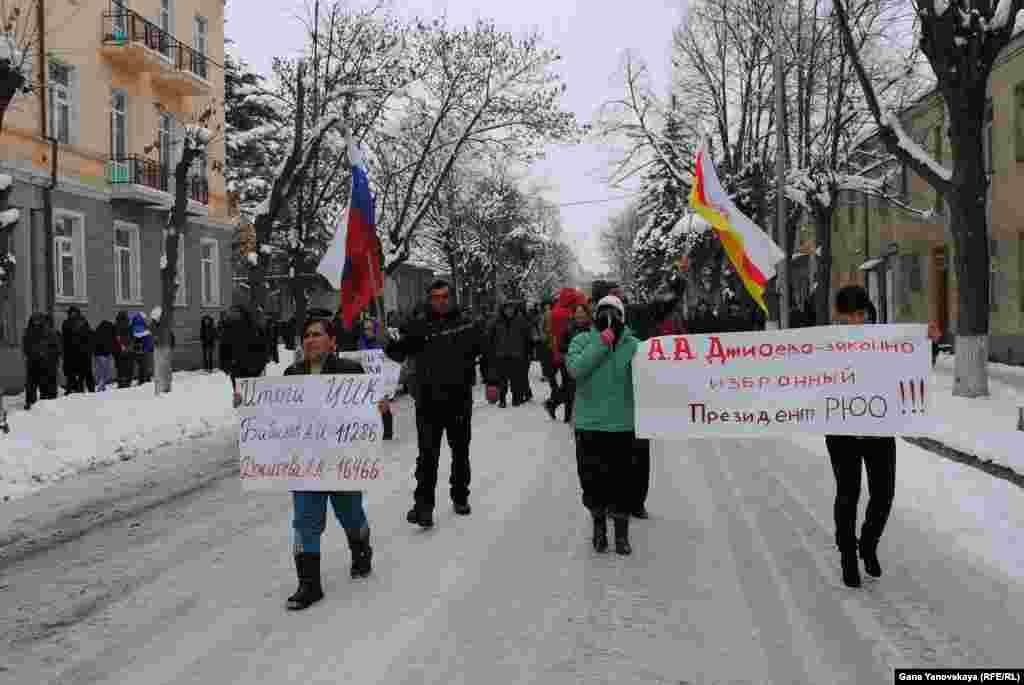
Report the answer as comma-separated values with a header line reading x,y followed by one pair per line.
x,y
139,171
199,189
122,26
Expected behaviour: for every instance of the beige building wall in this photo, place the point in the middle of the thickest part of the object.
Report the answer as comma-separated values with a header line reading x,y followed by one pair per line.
x,y
75,35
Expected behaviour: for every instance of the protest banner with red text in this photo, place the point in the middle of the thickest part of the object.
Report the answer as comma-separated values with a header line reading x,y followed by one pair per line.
x,y
828,380
318,432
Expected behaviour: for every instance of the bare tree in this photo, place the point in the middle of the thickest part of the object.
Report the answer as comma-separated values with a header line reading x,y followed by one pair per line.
x,y
476,89
617,239
962,40
196,139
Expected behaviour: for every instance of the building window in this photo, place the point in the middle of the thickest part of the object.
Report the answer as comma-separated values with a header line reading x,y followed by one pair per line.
x,y
119,126
166,140
201,43
61,101
911,270
127,261
181,297
1018,93
69,256
166,22
208,250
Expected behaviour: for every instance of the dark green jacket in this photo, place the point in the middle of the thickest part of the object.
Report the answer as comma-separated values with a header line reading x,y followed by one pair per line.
x,y
604,382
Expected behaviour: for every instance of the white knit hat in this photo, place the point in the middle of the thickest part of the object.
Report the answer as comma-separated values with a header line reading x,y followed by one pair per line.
x,y
611,301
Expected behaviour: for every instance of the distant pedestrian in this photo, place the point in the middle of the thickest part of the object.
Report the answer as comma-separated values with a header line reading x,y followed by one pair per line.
x,y
142,348
582,321
208,339
103,354
601,363
42,349
78,356
847,452
124,352
509,344
248,349
224,349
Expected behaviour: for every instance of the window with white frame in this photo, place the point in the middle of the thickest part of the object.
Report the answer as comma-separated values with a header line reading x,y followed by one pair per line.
x,y
127,264
61,101
166,23
209,258
166,140
119,125
200,43
69,256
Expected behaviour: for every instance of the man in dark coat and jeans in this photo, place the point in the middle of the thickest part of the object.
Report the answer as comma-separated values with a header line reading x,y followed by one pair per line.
x,y
509,344
445,346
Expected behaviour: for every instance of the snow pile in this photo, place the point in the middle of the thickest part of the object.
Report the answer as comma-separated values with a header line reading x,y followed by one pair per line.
x,y
253,258
8,217
985,426
5,181
58,438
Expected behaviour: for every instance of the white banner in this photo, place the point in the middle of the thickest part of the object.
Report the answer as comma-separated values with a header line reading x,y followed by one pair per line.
x,y
319,432
376,364
836,380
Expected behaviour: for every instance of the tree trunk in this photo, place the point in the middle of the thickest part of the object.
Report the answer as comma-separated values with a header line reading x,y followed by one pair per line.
x,y
970,237
298,288
823,239
163,355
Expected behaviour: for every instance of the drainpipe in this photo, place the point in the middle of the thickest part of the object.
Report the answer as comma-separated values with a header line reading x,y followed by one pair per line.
x,y
51,284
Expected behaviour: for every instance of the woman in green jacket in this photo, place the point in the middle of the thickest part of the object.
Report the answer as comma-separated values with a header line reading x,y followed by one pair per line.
x,y
601,362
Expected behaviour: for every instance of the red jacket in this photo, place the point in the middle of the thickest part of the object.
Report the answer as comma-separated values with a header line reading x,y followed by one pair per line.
x,y
561,314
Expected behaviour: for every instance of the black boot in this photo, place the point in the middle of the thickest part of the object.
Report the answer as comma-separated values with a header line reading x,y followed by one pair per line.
x,y
307,567
568,414
851,570
424,518
389,425
622,535
600,538
362,553
549,405
869,553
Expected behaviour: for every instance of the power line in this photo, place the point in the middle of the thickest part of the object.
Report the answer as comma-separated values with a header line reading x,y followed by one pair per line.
x,y
594,202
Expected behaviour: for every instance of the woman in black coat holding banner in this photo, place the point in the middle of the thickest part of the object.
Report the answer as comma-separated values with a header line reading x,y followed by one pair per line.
x,y
310,508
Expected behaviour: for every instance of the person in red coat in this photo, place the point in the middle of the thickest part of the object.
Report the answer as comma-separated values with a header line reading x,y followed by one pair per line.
x,y
561,315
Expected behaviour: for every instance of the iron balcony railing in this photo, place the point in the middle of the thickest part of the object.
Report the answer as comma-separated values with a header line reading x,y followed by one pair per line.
x,y
139,171
122,26
199,190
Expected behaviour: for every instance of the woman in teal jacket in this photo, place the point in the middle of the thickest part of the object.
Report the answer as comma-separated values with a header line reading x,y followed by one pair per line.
x,y
601,361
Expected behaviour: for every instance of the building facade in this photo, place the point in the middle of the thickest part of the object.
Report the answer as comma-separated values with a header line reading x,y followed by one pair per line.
x,y
907,260
119,81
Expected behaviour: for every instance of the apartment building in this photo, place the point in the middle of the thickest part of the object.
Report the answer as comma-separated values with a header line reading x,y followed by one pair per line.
x,y
906,261
119,80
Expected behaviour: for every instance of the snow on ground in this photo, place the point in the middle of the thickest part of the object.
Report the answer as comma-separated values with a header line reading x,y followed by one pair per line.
x,y
986,426
57,438
733,579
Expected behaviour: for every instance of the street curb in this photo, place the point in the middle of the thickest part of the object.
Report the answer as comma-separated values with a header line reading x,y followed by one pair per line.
x,y
986,465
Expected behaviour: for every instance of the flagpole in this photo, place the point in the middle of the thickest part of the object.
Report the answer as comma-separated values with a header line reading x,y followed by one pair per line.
x,y
782,281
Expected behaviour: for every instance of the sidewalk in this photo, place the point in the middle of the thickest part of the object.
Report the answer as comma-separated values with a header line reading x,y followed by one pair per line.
x,y
61,437
984,427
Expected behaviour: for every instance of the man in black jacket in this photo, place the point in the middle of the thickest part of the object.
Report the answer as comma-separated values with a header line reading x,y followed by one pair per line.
x,y
445,346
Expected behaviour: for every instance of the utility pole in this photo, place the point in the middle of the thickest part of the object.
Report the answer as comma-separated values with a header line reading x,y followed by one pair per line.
x,y
782,281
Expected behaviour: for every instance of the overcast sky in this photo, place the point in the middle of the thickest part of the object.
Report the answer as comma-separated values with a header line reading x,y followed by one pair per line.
x,y
590,35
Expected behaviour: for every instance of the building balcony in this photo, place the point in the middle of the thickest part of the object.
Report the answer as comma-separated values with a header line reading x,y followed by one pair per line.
x,y
187,73
133,43
147,181
136,44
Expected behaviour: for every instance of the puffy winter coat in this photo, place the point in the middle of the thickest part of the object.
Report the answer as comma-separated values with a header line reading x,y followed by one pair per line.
x,y
207,331
510,337
77,335
331,364
40,343
103,339
446,349
561,314
604,382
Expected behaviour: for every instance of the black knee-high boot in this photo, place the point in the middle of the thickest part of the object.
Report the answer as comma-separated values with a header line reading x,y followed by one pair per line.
x,y
362,552
622,535
307,567
600,537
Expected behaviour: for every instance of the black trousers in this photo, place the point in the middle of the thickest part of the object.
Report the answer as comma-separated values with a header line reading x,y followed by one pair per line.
x,y
78,374
125,364
511,377
568,395
208,358
879,458
40,378
388,420
641,473
604,463
434,418
523,375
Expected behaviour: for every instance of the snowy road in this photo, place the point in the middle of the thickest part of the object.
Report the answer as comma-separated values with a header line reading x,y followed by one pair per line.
x,y
734,579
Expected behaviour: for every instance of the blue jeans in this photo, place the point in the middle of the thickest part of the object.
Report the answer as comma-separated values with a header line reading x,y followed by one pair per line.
x,y
311,516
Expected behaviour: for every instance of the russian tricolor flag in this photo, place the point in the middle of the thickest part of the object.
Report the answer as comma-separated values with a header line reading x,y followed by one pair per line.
x,y
352,262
